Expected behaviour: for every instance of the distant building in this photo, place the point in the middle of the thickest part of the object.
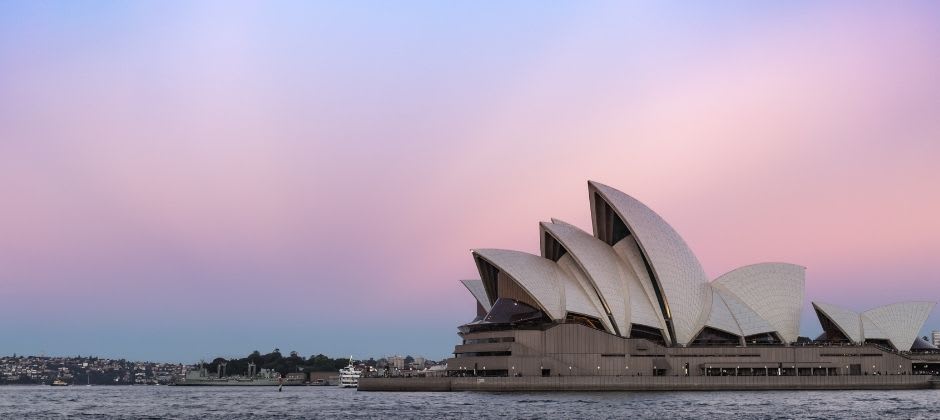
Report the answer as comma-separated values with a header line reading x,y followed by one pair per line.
x,y
296,377
321,377
397,362
935,338
419,362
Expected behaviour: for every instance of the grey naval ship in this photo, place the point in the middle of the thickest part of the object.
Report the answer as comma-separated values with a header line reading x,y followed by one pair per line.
x,y
264,377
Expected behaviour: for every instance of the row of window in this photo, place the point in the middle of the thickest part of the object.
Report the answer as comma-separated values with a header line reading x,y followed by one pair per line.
x,y
852,355
490,340
680,355
484,354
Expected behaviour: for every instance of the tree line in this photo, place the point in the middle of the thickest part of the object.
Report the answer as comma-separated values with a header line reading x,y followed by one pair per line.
x,y
274,360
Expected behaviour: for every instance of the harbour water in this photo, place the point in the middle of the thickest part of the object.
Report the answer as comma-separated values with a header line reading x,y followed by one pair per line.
x,y
164,402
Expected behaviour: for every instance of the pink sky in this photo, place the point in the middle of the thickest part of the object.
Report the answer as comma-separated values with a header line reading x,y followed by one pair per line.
x,y
165,166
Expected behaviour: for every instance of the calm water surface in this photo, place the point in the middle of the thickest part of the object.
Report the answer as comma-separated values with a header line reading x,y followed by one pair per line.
x,y
163,402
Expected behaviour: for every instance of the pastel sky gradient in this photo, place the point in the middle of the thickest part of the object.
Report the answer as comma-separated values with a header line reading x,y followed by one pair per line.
x,y
180,180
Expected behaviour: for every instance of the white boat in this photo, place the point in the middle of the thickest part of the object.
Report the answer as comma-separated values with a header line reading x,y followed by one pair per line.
x,y
349,376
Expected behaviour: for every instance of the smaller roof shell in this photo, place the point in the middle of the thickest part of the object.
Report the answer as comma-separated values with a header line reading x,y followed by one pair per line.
x,y
846,320
600,265
774,291
748,320
539,277
721,317
900,322
479,292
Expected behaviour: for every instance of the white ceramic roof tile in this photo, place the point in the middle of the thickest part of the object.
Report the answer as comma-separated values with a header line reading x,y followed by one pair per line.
x,y
479,292
644,309
901,322
846,319
600,264
541,278
870,330
750,322
593,278
678,271
720,317
577,297
772,290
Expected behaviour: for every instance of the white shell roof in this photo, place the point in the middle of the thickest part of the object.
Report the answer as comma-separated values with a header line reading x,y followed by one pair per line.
x,y
595,279
870,330
479,292
541,278
846,319
578,296
898,323
774,291
677,270
720,317
901,322
600,264
644,310
748,320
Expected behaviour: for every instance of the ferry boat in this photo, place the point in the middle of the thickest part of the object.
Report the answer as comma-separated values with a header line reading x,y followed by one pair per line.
x,y
349,376
59,382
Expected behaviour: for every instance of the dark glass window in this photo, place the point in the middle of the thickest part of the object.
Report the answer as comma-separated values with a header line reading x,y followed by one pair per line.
x,y
652,334
484,354
588,321
763,339
715,337
510,311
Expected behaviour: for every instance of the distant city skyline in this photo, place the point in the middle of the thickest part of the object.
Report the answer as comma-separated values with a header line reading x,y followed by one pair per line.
x,y
186,180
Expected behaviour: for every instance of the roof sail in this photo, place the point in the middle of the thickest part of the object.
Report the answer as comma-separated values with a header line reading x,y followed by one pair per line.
x,y
680,282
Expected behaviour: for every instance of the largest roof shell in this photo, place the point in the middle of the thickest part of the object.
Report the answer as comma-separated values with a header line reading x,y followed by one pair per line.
x,y
677,273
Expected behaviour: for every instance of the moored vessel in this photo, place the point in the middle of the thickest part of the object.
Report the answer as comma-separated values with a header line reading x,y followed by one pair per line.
x,y
349,375
201,377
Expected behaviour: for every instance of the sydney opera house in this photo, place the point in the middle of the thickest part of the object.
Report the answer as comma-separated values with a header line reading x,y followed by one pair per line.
x,y
631,299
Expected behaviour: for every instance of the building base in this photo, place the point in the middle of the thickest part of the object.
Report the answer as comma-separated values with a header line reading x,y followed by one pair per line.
x,y
647,383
